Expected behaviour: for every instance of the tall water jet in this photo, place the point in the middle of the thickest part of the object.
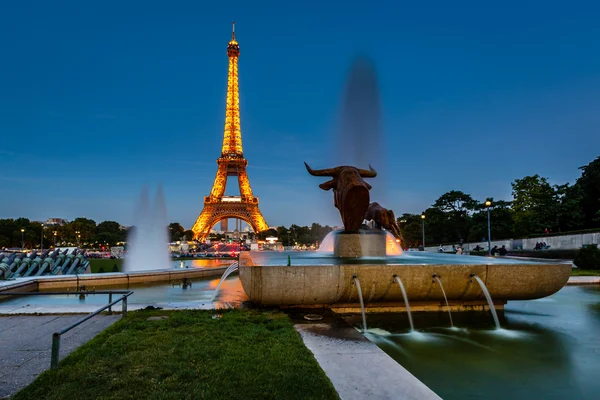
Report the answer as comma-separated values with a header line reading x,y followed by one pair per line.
x,y
148,241
438,280
410,320
231,269
360,127
488,298
362,304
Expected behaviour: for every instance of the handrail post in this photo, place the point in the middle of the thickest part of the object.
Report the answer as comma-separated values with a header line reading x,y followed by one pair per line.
x,y
110,301
55,350
124,302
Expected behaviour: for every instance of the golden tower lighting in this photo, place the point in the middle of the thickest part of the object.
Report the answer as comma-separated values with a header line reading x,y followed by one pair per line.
x,y
218,207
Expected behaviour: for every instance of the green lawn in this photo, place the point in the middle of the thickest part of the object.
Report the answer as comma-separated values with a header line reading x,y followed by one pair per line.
x,y
585,272
245,354
105,263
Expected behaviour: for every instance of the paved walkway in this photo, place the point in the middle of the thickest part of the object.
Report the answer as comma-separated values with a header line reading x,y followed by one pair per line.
x,y
25,343
584,280
358,368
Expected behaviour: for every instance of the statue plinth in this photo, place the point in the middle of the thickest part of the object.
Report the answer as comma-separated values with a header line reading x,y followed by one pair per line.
x,y
362,244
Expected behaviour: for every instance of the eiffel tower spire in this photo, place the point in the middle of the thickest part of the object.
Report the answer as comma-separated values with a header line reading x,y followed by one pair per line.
x,y
218,207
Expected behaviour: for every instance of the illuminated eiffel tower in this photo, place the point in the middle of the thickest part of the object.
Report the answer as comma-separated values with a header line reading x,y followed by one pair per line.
x,y
217,206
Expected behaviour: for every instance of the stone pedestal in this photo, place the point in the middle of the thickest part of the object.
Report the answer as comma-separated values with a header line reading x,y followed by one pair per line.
x,y
355,245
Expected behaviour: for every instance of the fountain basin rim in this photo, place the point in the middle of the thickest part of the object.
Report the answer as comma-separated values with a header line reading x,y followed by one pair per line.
x,y
332,284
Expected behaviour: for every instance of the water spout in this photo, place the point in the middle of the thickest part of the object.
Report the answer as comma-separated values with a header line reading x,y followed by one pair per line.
x,y
362,304
410,320
489,300
233,267
436,277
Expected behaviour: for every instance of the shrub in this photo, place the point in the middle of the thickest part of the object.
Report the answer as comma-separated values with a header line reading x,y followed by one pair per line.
x,y
101,270
588,257
115,268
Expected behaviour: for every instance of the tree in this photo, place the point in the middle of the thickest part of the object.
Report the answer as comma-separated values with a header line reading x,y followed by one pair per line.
x,y
569,213
535,205
501,218
188,235
457,207
108,227
176,231
589,186
411,228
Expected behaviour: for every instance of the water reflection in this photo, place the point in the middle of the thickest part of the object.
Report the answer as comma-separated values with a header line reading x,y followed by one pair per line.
x,y
549,350
200,292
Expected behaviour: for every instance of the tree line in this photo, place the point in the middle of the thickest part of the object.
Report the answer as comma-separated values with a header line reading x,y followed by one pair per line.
x,y
81,231
536,208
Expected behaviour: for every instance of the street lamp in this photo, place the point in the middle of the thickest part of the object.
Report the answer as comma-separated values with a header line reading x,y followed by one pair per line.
x,y
42,239
78,236
22,238
488,204
54,233
423,225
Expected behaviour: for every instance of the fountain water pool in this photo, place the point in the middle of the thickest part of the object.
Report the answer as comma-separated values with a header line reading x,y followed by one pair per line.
x,y
547,349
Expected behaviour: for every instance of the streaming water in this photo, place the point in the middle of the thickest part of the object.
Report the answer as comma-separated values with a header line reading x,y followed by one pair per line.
x,y
362,304
437,278
148,249
233,267
489,300
410,320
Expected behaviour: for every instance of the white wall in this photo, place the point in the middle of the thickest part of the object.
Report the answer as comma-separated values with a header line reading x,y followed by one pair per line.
x,y
564,242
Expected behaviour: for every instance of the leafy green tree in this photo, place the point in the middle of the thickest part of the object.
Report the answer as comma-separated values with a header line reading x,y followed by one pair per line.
x,y
535,205
108,227
457,207
501,221
411,228
176,231
569,213
188,234
589,185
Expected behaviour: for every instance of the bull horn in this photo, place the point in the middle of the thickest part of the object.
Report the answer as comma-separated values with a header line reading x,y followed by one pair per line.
x,y
368,174
321,172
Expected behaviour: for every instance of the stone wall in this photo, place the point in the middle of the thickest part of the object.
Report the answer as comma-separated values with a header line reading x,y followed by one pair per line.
x,y
563,242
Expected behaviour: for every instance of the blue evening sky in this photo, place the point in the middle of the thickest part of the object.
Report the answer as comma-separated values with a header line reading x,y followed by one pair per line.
x,y
98,98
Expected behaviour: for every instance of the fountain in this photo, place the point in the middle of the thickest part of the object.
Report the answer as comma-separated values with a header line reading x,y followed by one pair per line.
x,y
148,241
410,320
362,303
367,247
488,298
437,278
231,269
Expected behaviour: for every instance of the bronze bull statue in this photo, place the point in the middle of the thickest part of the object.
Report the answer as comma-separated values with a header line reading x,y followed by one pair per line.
x,y
350,192
383,218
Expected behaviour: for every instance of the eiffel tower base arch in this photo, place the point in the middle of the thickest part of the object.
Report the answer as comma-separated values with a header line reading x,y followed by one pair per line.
x,y
213,213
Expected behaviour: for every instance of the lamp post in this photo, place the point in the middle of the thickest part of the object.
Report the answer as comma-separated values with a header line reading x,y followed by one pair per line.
x,y
423,225
78,236
54,233
22,238
488,204
42,239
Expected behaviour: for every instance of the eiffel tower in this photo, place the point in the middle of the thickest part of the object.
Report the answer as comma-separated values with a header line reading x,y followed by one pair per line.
x,y
217,206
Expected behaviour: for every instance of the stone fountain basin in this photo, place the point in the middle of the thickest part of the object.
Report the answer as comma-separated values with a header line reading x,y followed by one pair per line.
x,y
334,284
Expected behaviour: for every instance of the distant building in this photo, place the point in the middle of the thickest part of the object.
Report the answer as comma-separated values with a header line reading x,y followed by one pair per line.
x,y
55,222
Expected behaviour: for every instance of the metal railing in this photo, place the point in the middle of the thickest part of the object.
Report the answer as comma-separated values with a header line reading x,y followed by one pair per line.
x,y
56,335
